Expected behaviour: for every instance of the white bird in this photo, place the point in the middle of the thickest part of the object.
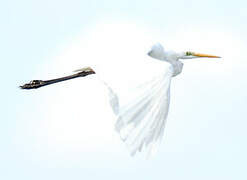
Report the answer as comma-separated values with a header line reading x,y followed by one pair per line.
x,y
141,118
141,121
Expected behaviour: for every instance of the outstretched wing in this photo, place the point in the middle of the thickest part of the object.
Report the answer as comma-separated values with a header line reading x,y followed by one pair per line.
x,y
142,117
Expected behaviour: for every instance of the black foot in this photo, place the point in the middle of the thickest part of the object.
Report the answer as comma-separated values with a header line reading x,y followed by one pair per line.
x,y
33,84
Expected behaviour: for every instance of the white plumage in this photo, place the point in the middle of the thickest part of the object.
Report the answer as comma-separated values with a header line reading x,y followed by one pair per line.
x,y
121,61
141,119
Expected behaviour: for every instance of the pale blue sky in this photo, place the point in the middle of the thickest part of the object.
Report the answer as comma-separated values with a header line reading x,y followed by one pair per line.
x,y
206,132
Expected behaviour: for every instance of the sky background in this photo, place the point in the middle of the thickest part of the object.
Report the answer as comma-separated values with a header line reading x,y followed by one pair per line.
x,y
66,131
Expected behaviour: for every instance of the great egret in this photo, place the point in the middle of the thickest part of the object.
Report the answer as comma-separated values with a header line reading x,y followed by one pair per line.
x,y
141,120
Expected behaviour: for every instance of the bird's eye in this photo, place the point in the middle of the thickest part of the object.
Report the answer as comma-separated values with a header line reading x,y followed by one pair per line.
x,y
188,53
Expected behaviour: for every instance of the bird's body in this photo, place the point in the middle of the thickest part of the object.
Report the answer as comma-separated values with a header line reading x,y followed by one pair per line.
x,y
141,120
158,52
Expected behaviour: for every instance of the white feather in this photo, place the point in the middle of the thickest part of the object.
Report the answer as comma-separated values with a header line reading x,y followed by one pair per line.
x,y
141,120
142,112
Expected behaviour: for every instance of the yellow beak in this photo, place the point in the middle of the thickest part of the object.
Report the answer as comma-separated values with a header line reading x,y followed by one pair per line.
x,y
205,55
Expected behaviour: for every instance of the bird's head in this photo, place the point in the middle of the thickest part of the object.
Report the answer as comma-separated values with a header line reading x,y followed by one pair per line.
x,y
157,51
192,55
